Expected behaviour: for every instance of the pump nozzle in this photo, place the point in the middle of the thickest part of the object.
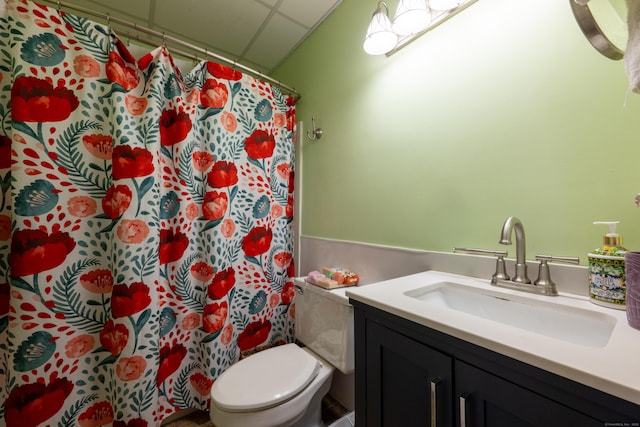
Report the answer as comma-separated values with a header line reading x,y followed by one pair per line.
x,y
611,238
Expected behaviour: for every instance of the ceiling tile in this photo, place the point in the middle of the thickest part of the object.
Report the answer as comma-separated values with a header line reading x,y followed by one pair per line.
x,y
307,12
229,24
269,3
276,41
256,33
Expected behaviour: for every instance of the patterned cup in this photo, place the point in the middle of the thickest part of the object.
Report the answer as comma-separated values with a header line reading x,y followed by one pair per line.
x,y
632,267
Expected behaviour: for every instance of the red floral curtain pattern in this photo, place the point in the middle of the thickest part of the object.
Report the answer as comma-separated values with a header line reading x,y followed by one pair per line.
x,y
145,224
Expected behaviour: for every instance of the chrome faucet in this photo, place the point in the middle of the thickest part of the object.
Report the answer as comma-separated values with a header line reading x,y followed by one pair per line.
x,y
513,223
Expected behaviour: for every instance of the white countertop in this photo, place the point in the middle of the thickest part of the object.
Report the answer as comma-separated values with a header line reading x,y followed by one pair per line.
x,y
614,368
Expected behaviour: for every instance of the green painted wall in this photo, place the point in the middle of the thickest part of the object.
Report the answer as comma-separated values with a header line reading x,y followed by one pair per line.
x,y
505,109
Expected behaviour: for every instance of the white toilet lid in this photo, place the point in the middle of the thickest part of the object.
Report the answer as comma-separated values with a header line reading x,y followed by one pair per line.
x,y
265,379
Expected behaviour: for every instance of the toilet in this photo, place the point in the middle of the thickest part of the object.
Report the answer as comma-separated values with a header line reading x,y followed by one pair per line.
x,y
284,385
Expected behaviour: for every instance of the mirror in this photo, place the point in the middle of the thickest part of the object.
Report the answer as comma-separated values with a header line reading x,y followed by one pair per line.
x,y
604,23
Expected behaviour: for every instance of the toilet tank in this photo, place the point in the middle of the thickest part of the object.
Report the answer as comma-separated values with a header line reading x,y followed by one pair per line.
x,y
324,323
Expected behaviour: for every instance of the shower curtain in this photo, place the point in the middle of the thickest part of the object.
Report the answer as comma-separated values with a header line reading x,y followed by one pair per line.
x,y
145,224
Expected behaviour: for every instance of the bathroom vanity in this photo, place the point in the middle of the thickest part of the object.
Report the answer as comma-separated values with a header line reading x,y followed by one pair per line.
x,y
424,358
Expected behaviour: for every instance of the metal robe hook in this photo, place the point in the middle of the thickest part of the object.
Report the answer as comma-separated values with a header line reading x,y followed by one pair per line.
x,y
315,133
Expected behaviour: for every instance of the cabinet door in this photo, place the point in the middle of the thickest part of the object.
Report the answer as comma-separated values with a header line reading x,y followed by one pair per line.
x,y
408,383
485,400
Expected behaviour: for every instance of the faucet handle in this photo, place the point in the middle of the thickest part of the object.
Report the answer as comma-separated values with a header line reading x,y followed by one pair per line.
x,y
564,259
544,275
501,271
480,252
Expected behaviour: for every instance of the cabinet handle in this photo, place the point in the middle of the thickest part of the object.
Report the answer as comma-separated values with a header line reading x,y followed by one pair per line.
x,y
433,386
463,410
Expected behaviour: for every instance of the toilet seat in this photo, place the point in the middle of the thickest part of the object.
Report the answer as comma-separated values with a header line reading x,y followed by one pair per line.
x,y
265,379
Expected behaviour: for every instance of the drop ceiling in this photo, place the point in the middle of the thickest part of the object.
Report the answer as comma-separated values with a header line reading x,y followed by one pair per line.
x,y
259,34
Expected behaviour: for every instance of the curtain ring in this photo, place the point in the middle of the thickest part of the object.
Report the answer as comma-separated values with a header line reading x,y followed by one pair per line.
x,y
109,22
59,7
164,40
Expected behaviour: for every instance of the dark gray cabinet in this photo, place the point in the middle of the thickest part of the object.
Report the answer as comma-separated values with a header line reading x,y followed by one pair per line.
x,y
410,375
411,383
484,399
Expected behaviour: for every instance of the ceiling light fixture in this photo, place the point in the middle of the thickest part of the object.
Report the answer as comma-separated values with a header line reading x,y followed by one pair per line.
x,y
444,4
413,18
380,37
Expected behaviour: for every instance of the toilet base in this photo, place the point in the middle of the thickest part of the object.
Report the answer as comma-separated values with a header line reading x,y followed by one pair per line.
x,y
312,417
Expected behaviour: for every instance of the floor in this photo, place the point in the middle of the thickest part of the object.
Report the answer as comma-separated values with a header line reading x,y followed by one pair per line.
x,y
331,411
193,419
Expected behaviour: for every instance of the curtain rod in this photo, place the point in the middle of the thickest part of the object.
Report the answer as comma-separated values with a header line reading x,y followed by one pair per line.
x,y
165,38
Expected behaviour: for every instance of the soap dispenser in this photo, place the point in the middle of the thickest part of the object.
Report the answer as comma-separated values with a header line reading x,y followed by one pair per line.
x,y
606,270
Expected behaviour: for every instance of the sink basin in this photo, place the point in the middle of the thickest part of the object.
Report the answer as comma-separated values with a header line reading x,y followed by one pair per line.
x,y
570,324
